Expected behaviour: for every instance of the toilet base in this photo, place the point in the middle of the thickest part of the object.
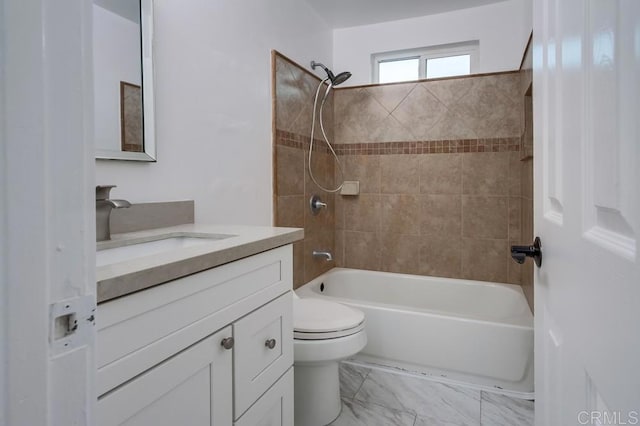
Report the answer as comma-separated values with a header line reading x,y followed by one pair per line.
x,y
317,377
317,393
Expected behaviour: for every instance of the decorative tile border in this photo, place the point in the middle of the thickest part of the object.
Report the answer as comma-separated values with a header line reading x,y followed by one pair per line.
x,y
293,140
430,147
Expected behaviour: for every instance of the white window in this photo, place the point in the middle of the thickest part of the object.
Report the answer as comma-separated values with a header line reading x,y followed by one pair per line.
x,y
428,62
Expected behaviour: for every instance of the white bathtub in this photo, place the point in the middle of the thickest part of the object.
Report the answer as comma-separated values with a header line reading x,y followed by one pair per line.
x,y
474,332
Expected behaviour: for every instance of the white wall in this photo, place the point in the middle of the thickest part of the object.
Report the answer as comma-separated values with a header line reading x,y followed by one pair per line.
x,y
527,20
213,104
498,27
116,58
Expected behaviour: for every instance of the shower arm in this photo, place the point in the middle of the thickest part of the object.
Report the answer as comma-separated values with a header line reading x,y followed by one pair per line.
x,y
315,64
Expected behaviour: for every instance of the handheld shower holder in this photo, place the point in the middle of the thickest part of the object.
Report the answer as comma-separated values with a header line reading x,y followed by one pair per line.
x,y
335,80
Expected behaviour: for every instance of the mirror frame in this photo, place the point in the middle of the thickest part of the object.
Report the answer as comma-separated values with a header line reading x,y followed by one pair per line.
x,y
148,100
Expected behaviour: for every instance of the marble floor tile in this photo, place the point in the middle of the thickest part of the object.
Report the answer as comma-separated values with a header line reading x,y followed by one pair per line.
x,y
424,421
356,413
351,378
500,410
435,403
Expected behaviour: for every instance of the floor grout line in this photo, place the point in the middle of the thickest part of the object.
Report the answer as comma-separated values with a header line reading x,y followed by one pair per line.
x,y
361,384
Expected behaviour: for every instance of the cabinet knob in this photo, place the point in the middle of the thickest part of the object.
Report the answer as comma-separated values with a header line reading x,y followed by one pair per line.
x,y
270,343
227,342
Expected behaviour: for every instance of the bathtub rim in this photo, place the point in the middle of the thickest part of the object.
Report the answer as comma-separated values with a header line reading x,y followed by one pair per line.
x,y
306,290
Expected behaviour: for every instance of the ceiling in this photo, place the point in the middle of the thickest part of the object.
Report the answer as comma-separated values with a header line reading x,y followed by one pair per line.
x,y
128,9
351,13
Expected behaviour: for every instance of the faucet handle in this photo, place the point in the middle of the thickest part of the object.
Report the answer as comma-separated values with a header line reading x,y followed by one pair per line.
x,y
102,191
316,204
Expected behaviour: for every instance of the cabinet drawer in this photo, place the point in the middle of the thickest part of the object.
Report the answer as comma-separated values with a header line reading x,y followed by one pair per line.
x,y
274,408
263,350
189,388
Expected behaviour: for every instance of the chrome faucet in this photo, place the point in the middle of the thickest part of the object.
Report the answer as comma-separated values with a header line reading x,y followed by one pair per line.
x,y
103,211
327,255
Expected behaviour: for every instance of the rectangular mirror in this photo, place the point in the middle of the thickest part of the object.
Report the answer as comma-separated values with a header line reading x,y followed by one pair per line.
x,y
123,80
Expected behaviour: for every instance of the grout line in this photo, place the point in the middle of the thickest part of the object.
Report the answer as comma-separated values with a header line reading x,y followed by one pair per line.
x,y
402,101
375,99
361,384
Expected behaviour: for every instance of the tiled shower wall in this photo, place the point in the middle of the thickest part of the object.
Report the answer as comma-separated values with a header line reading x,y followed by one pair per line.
x,y
439,170
440,177
294,89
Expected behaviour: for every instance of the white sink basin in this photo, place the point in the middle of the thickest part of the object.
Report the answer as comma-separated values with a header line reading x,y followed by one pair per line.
x,y
134,250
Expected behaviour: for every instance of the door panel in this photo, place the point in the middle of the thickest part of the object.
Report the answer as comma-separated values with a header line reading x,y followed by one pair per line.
x,y
552,183
587,210
610,140
47,223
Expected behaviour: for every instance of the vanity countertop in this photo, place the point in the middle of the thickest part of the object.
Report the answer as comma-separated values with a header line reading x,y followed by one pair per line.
x,y
126,277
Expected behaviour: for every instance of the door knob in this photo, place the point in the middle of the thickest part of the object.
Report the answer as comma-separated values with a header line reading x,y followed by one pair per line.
x,y
270,343
520,253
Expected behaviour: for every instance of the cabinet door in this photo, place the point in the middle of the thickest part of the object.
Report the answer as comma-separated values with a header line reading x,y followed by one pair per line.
x,y
191,388
274,408
263,351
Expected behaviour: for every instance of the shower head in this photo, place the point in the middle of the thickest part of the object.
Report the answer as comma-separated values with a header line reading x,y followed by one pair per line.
x,y
335,79
341,78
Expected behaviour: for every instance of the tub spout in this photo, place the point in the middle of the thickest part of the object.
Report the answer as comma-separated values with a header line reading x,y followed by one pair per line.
x,y
327,256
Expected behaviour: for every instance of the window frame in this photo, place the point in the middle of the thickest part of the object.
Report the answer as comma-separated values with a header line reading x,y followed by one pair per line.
x,y
470,48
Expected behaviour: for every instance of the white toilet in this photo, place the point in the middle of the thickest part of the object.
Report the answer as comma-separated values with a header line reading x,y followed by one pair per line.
x,y
324,334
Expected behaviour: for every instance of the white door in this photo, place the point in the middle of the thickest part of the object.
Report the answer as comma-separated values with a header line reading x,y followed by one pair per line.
x,y
47,224
587,211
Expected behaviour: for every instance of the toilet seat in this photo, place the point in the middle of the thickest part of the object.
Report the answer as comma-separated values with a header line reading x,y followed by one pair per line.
x,y
317,319
305,335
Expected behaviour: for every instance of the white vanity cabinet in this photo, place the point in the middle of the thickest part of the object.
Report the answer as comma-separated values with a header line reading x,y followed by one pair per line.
x,y
161,357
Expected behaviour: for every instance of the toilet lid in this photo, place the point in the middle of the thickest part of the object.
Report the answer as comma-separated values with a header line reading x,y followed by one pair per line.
x,y
312,315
